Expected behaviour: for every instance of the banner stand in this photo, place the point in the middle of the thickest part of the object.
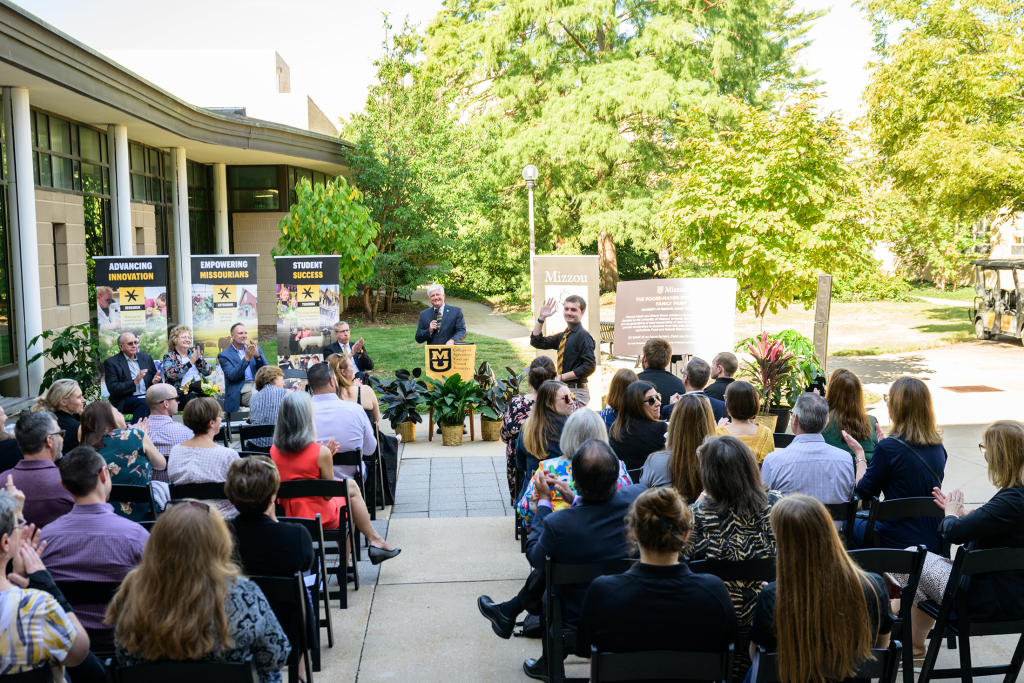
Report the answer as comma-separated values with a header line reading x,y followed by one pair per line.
x,y
308,306
223,293
131,296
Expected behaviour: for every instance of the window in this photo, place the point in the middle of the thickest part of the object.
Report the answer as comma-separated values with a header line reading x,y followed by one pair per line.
x,y
151,184
60,264
69,157
295,176
254,188
7,322
200,216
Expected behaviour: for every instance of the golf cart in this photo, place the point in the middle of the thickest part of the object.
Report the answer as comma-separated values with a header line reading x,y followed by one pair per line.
x,y
999,301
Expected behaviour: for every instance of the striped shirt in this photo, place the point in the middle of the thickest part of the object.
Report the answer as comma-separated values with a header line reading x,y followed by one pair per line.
x,y
811,467
188,465
165,433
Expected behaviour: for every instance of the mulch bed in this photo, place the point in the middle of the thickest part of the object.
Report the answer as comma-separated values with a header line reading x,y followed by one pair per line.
x,y
402,313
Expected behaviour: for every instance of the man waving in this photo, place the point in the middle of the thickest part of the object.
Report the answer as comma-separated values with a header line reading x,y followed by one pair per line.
x,y
576,361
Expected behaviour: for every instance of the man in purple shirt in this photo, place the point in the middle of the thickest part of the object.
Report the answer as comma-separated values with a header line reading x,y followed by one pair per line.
x,y
41,442
91,543
343,421
164,432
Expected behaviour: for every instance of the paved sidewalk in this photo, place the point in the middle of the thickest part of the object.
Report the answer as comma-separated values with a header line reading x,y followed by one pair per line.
x,y
472,486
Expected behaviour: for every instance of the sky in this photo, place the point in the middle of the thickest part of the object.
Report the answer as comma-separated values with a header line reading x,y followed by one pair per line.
x,y
330,45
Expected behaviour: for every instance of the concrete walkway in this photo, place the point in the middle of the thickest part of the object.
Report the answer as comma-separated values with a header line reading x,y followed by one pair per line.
x,y
481,318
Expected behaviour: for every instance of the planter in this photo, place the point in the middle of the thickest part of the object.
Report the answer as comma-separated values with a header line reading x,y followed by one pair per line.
x,y
767,421
490,430
783,415
407,430
451,435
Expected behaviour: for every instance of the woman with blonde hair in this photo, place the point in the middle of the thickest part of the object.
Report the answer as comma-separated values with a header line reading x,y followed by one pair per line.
x,y
183,366
188,600
539,438
823,614
65,400
692,421
350,388
622,378
846,412
909,463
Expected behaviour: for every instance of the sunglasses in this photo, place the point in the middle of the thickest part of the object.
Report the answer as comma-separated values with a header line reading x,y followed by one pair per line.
x,y
885,397
61,432
569,398
652,401
109,301
131,343
196,503
981,447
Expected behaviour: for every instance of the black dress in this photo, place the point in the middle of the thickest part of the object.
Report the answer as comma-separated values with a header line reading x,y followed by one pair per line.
x,y
10,455
70,424
639,440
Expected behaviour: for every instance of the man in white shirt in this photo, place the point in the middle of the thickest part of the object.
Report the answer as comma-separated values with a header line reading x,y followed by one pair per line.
x,y
343,421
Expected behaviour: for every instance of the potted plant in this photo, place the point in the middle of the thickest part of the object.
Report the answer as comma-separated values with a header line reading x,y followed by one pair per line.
x,y
72,355
449,398
494,396
802,370
399,399
769,372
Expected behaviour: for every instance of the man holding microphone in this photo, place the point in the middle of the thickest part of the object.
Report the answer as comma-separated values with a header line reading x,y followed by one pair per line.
x,y
440,324
576,360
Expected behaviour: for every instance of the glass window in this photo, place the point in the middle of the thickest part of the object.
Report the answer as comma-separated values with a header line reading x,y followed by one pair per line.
x,y
136,154
154,162
63,177
254,200
318,178
89,143
92,178
42,131
138,187
45,176
60,136
253,176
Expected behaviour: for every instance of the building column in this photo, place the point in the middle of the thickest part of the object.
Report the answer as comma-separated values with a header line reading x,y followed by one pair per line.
x,y
28,314
182,236
120,190
220,209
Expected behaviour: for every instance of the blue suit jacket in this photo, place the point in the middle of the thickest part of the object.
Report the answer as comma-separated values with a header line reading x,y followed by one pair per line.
x,y
580,535
453,326
234,375
717,407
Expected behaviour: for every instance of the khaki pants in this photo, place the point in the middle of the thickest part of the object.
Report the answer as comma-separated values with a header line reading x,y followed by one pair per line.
x,y
247,390
582,395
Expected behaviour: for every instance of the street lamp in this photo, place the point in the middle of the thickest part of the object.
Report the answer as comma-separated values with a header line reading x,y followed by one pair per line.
x,y
530,175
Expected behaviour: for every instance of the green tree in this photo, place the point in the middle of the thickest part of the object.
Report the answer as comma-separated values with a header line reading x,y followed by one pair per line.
x,y
772,204
415,170
331,219
589,92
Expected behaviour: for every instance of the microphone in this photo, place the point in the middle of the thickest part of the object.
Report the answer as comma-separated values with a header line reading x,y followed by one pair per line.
x,y
437,317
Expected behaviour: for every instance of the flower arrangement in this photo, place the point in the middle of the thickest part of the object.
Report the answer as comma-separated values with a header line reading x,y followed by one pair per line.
x,y
210,389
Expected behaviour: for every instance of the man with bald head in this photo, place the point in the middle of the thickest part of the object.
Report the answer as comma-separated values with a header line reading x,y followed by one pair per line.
x,y
164,432
128,375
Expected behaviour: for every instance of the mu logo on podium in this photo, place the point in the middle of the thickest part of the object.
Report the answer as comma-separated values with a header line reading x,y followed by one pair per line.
x,y
446,361
440,359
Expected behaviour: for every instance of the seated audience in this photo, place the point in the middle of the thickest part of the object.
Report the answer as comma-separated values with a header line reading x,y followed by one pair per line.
x,y
637,431
10,454
999,523
652,606
184,367
622,378
519,406
909,463
692,422
65,400
540,434
342,422
809,465
742,404
593,531
128,375
131,456
39,626
298,455
91,543
730,521
269,390
846,413
582,426
823,614
657,355
187,599
694,378
351,389
723,367
201,460
164,431
40,440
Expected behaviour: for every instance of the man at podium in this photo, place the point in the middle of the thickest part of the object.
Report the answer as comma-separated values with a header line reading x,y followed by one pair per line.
x,y
440,324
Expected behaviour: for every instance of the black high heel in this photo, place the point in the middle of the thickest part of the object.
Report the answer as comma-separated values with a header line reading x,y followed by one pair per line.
x,y
378,555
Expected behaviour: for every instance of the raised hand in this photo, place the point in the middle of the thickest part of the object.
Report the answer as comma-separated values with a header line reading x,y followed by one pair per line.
x,y
878,432
19,497
940,497
143,424
541,486
724,422
858,450
332,446
357,348
548,309
138,377
563,489
194,356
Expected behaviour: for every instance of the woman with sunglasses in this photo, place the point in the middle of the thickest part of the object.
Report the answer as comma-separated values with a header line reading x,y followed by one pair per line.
x,y
183,366
539,437
638,431
188,600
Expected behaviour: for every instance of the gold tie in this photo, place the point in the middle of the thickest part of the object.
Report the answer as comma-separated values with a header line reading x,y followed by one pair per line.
x,y
561,351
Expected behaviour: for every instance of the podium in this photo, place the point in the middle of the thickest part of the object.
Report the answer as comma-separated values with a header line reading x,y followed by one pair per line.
x,y
444,361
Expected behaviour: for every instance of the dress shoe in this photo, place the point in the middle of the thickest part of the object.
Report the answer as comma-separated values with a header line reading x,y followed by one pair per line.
x,y
536,668
501,624
377,555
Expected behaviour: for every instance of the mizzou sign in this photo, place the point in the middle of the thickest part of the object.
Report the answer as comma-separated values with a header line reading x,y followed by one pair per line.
x,y
449,360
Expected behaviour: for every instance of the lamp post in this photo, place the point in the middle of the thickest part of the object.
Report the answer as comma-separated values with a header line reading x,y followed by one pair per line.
x,y
530,175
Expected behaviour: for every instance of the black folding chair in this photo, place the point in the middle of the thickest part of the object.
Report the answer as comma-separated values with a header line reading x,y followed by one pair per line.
x,y
247,432
521,533
909,562
232,423
762,570
41,674
967,564
249,454
782,439
845,513
193,672
355,459
205,491
291,592
79,593
558,640
660,665
882,666
128,493
899,508
148,525
304,488
316,531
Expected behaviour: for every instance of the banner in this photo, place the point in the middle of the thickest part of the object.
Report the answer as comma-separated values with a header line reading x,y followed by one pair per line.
x,y
223,293
444,360
695,315
131,296
308,305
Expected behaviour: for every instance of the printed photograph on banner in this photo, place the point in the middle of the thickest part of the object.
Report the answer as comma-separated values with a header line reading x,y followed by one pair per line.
x,y
297,362
308,305
556,323
215,308
136,309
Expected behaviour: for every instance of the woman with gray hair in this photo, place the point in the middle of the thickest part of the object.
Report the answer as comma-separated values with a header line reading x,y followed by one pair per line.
x,y
298,455
582,426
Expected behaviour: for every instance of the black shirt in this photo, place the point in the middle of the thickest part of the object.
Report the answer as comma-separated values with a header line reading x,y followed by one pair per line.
x,y
664,381
578,357
269,548
10,455
70,424
654,608
717,388
640,439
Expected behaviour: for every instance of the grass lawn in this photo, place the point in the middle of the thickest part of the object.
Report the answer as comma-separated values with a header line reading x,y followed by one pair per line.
x,y
395,347
928,289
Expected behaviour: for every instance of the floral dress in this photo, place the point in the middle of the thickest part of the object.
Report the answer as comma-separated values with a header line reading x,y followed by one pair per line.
x,y
561,467
127,464
519,407
175,366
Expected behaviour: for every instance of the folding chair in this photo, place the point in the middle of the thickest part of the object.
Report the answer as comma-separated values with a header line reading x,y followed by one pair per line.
x,y
148,525
521,533
291,591
40,674
782,439
129,493
967,564
355,459
249,454
204,491
79,593
558,641
232,424
193,672
660,665
909,562
762,570
899,508
316,531
247,432
846,513
882,666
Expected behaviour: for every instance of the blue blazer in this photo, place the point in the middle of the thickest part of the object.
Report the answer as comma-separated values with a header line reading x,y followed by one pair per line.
x,y
717,407
580,535
234,375
453,326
